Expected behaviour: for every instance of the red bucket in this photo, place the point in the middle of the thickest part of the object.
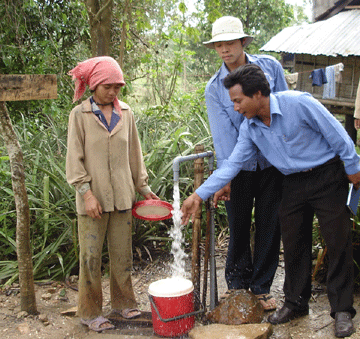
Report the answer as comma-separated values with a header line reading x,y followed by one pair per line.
x,y
172,300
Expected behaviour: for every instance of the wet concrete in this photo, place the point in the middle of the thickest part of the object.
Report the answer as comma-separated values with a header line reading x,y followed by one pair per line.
x,y
318,324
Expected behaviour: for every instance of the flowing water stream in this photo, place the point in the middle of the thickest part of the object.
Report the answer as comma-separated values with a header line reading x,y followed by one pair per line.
x,y
176,232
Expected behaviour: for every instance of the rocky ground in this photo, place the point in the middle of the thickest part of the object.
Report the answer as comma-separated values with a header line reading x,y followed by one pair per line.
x,y
56,302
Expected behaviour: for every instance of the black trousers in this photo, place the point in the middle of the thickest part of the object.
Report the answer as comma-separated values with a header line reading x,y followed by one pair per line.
x,y
323,192
244,271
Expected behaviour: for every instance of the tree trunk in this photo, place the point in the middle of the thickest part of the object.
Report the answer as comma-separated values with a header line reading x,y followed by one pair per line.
x,y
26,277
127,15
100,14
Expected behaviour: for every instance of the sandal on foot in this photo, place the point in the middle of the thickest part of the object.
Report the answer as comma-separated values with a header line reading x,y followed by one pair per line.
x,y
225,295
267,301
130,313
228,293
98,324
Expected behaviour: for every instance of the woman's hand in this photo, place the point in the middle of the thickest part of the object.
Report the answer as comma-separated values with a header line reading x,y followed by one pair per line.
x,y
151,196
92,205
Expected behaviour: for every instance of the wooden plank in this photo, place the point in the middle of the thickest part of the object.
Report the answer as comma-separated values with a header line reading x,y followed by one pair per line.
x,y
18,87
337,102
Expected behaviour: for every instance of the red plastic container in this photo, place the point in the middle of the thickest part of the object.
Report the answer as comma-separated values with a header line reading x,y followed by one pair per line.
x,y
154,210
172,297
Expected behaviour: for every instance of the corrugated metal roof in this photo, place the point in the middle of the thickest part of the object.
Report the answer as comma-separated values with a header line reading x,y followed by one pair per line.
x,y
338,35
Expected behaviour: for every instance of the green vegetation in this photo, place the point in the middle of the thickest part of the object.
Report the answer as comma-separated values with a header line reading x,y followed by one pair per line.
x,y
166,69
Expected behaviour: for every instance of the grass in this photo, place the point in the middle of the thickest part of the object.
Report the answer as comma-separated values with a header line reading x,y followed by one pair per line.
x,y
165,132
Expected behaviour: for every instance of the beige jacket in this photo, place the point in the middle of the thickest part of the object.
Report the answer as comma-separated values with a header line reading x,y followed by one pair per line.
x,y
357,103
111,163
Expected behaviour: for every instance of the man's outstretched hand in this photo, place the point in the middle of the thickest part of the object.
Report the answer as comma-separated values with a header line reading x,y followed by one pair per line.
x,y
189,208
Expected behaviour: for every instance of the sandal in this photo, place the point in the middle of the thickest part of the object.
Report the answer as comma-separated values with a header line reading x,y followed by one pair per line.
x,y
227,294
267,301
98,323
130,313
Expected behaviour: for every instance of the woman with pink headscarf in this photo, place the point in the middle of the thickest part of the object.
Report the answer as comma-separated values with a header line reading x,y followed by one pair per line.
x,y
104,162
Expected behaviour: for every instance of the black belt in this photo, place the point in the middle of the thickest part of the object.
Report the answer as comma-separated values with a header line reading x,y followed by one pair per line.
x,y
331,161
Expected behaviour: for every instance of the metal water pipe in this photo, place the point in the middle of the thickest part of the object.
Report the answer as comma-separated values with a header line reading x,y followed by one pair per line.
x,y
178,160
176,167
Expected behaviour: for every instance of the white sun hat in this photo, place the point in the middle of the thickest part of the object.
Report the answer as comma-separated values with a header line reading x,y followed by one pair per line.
x,y
227,28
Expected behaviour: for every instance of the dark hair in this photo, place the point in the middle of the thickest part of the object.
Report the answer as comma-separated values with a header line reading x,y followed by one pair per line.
x,y
251,78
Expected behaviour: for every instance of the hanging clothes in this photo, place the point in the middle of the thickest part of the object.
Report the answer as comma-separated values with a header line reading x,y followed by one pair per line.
x,y
291,80
338,69
318,77
329,88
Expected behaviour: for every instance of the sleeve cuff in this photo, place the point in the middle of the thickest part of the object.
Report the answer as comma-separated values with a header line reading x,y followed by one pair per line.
x,y
352,169
144,190
82,189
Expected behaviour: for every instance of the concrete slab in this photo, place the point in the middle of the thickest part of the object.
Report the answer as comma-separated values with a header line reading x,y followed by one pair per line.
x,y
118,336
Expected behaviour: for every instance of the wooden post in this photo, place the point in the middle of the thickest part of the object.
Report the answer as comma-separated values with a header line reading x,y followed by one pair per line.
x,y
196,229
13,88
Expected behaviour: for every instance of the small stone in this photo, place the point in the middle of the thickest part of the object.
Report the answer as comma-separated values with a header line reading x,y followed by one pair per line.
x,y
43,317
46,296
7,312
51,290
22,314
73,279
24,328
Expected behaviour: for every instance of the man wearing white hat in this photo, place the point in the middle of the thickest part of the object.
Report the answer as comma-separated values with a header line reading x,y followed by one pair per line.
x,y
258,180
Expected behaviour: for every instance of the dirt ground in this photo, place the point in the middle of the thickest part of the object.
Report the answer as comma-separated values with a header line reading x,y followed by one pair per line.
x,y
57,297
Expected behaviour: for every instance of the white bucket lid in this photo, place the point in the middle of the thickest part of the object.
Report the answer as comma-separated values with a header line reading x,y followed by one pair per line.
x,y
171,287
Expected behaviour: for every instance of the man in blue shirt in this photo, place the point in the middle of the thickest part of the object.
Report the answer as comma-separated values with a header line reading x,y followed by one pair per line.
x,y
301,138
257,180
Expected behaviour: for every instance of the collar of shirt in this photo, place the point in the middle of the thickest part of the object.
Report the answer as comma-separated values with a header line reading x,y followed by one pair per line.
x,y
115,118
250,59
254,59
223,71
274,109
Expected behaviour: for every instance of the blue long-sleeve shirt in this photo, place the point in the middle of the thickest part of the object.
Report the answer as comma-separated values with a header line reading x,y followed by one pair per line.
x,y
224,121
302,134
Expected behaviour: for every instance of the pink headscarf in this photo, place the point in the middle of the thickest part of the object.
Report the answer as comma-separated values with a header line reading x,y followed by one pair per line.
x,y
96,71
